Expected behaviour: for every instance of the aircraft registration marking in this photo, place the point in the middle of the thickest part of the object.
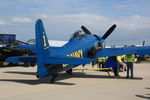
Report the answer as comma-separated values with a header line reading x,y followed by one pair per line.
x,y
78,54
44,39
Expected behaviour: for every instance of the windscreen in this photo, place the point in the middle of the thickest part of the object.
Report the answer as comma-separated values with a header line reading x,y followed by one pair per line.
x,y
78,35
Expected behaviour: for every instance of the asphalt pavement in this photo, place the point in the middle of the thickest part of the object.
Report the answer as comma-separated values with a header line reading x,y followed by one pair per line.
x,y
20,83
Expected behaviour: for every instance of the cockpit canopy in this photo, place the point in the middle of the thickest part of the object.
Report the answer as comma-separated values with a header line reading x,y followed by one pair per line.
x,y
78,35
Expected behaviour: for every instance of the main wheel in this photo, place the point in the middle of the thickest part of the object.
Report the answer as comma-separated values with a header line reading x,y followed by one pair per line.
x,y
1,64
116,71
69,71
26,65
53,78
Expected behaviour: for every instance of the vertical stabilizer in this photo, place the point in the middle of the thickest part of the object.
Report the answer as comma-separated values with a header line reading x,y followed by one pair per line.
x,y
42,47
41,38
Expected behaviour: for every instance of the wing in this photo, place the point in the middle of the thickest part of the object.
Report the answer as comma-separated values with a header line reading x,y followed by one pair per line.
x,y
108,52
50,60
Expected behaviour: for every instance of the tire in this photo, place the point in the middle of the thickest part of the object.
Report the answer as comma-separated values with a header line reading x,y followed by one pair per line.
x,y
1,64
69,71
26,64
32,64
116,71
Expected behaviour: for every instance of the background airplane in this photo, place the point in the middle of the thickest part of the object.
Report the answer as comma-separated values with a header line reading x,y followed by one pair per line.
x,y
53,43
82,48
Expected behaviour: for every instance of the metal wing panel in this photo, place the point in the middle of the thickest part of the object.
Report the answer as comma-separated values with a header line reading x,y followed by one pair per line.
x,y
108,52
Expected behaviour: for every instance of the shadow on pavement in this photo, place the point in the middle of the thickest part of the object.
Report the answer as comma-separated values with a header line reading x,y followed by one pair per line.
x,y
147,88
142,96
36,81
61,76
146,96
24,73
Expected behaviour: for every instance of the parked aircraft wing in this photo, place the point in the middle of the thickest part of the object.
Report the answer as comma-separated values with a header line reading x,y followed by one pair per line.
x,y
29,47
123,51
33,47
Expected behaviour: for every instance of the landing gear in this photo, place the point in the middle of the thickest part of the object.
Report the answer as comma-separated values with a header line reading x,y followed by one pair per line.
x,y
1,64
54,76
26,65
69,71
116,71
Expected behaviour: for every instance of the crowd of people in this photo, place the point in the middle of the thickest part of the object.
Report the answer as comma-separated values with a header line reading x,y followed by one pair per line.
x,y
118,63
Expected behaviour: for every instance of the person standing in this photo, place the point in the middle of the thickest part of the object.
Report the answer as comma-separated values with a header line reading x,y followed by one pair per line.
x,y
121,62
101,62
129,60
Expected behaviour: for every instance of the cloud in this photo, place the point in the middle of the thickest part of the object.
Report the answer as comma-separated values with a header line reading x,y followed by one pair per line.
x,y
82,18
21,20
130,29
2,22
131,23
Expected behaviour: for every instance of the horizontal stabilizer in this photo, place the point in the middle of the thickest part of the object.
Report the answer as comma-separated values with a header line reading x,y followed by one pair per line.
x,y
25,59
51,60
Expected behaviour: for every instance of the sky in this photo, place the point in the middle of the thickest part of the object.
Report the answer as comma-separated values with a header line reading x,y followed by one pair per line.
x,y
61,18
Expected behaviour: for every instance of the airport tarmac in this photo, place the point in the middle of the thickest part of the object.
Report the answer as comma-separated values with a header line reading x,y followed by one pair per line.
x,y
20,83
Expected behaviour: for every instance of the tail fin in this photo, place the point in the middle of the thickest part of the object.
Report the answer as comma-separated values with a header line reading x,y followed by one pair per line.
x,y
42,48
41,38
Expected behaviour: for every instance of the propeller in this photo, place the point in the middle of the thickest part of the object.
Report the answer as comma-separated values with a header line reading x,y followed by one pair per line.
x,y
92,52
109,31
86,30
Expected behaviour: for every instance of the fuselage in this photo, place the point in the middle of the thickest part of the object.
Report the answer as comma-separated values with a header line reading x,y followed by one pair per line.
x,y
78,47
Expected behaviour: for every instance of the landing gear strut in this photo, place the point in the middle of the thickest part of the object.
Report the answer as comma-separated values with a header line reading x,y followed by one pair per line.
x,y
54,76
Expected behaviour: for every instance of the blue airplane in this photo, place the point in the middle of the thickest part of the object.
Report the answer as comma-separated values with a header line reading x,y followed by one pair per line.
x,y
82,48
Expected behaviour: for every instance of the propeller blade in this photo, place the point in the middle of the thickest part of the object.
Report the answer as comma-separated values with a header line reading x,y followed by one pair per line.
x,y
85,30
111,29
